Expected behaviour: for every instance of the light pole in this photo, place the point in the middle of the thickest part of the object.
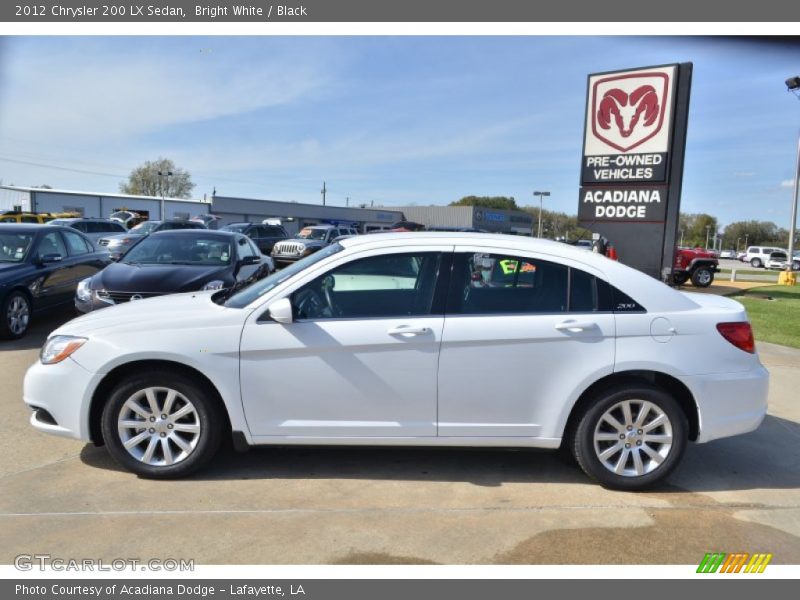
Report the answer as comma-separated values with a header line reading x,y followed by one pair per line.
x,y
161,175
541,201
708,229
793,85
324,192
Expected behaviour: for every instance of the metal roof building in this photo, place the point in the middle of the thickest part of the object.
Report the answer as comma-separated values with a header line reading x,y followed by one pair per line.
x,y
476,217
96,204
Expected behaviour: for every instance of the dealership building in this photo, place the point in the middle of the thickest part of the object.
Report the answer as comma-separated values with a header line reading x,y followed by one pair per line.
x,y
293,215
95,204
474,217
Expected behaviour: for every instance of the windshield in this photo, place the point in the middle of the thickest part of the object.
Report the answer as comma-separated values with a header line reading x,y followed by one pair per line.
x,y
180,250
145,227
236,228
312,234
258,289
14,246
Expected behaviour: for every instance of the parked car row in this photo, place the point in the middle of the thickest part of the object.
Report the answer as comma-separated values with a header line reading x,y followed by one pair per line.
x,y
47,267
435,339
769,257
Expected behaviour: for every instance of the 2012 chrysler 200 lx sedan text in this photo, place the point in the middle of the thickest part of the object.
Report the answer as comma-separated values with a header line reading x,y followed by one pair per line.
x,y
436,339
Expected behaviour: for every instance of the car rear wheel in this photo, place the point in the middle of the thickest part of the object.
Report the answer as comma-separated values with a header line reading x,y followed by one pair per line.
x,y
162,425
630,437
702,277
16,316
756,263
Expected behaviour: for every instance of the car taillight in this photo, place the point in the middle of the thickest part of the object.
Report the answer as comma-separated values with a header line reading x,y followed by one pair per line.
x,y
740,334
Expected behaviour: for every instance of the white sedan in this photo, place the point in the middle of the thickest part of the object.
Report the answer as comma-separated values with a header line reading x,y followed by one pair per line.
x,y
432,339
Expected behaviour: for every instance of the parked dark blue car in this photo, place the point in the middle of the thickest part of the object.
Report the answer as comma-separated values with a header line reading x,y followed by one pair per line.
x,y
170,262
40,267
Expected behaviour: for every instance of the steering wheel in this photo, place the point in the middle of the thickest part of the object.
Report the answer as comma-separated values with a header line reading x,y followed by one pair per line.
x,y
327,289
309,304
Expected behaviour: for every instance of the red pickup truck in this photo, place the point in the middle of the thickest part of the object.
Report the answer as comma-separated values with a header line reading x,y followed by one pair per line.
x,y
694,264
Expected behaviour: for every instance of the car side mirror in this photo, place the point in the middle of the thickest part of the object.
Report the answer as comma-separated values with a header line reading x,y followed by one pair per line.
x,y
50,258
250,260
281,311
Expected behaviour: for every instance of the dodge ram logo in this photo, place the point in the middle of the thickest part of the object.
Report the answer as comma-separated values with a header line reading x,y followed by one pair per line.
x,y
628,110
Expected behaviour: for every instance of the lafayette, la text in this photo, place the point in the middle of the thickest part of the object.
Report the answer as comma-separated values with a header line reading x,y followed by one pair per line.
x,y
148,589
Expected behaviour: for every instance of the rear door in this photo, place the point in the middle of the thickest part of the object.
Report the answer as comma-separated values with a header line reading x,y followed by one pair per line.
x,y
517,344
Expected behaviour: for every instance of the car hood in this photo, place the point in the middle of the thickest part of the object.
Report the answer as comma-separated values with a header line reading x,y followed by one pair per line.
x,y
123,277
304,242
176,311
122,236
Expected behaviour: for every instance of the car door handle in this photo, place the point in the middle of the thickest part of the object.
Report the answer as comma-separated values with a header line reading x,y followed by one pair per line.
x,y
408,330
575,326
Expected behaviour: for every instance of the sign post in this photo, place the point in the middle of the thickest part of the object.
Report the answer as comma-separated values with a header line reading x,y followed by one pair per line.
x,y
632,165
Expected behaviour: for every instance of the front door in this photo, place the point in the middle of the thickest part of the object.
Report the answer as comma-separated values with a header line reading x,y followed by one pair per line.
x,y
359,360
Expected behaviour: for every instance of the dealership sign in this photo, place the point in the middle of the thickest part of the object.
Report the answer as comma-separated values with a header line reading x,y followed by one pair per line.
x,y
630,172
628,125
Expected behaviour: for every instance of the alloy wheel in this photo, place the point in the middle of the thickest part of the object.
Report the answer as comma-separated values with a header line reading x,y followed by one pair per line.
x,y
18,315
158,426
633,438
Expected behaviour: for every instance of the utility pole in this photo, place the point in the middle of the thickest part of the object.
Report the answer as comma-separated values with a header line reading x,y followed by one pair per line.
x,y
793,85
323,191
708,229
347,201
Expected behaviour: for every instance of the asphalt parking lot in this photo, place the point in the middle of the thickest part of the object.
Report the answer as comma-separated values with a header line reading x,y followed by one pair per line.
x,y
385,506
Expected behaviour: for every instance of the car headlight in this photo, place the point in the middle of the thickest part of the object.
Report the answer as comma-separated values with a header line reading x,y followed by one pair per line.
x,y
217,284
84,291
59,347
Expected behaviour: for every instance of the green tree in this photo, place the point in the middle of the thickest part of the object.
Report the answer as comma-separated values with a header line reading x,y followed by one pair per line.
x,y
496,202
754,233
144,180
695,228
558,225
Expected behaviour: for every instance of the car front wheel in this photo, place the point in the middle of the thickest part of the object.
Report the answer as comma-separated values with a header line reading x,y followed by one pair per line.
x,y
631,437
702,277
756,263
16,315
161,425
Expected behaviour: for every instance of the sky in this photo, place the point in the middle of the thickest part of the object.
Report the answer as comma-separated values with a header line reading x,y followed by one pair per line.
x,y
392,121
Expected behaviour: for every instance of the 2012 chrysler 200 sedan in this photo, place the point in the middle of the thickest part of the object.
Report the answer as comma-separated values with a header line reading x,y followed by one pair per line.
x,y
436,339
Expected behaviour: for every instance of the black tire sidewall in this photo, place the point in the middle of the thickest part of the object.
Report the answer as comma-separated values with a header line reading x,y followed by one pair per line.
x,y
696,277
756,263
583,441
208,412
5,331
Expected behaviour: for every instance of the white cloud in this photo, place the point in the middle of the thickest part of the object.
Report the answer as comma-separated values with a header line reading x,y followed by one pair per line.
x,y
91,97
787,183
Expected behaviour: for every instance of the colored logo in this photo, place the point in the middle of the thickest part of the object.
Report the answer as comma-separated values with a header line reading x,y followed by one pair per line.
x,y
628,110
738,562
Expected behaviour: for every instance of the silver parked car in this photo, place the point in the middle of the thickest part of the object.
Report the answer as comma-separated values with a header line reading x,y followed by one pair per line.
x,y
94,229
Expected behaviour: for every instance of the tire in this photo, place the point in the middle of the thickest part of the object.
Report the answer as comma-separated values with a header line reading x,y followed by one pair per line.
x,y
795,265
634,476
177,446
15,315
702,277
680,278
756,263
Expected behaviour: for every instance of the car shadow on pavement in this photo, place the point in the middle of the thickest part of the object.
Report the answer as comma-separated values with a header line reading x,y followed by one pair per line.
x,y
767,458
40,328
